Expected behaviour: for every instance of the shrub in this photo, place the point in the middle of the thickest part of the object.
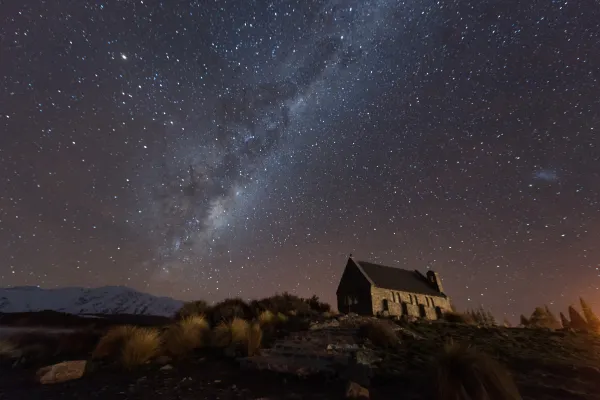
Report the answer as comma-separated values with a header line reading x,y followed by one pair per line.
x,y
380,333
282,318
463,373
283,303
229,333
266,317
458,318
564,321
316,305
524,321
482,317
140,347
112,342
254,339
577,321
187,334
192,308
592,320
542,317
229,309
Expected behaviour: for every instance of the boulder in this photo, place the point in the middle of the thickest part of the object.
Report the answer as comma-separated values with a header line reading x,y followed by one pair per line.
x,y
61,372
355,391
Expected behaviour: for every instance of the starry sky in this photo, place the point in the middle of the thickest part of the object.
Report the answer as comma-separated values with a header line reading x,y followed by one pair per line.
x,y
207,149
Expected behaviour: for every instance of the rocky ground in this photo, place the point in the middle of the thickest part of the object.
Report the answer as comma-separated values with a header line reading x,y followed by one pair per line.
x,y
314,364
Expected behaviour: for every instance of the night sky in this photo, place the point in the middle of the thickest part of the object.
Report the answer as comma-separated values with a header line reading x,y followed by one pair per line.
x,y
207,149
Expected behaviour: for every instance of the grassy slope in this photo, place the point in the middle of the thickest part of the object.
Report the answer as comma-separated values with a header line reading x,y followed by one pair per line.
x,y
545,364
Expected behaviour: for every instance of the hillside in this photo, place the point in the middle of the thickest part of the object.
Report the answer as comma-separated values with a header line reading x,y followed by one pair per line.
x,y
304,363
77,300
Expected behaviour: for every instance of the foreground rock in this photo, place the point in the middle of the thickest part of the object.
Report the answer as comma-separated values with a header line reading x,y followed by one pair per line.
x,y
61,372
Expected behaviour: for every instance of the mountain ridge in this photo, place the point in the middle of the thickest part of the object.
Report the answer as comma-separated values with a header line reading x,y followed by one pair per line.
x,y
82,300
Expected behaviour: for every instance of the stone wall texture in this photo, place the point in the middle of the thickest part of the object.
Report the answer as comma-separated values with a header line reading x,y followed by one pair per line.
x,y
412,304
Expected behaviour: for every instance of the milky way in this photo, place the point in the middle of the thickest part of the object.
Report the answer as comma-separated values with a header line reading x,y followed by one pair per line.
x,y
212,149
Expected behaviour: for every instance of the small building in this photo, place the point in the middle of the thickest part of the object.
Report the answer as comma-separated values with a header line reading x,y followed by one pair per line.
x,y
372,289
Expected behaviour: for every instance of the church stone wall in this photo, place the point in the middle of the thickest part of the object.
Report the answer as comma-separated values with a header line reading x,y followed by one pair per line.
x,y
404,303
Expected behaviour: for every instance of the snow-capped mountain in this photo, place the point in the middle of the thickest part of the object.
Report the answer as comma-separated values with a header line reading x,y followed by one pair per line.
x,y
76,300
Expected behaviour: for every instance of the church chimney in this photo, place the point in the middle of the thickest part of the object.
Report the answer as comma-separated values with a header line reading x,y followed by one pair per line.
x,y
435,281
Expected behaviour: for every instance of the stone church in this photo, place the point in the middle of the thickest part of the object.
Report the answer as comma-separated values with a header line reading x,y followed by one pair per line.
x,y
372,289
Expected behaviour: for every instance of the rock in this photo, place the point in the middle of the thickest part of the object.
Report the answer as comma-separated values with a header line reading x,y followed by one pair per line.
x,y
355,391
166,367
162,360
61,372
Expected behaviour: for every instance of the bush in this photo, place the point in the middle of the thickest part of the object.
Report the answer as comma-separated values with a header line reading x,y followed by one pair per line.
x,y
229,309
461,372
543,318
266,318
283,303
140,347
254,339
316,305
229,333
380,333
282,318
113,341
131,345
186,335
192,308
482,317
458,318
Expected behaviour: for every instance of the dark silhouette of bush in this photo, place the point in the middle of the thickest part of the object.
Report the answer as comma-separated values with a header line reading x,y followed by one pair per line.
x,y
592,320
564,321
542,317
285,303
192,309
482,317
316,305
524,321
577,321
458,318
229,309
461,373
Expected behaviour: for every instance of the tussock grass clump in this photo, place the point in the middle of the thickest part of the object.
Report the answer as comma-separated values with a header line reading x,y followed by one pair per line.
x,y
458,318
113,341
232,332
188,334
140,347
266,317
131,345
254,339
462,372
380,333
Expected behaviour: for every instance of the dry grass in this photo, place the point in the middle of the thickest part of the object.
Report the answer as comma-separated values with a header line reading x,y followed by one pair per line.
x,y
266,317
465,373
111,344
140,347
231,333
131,345
186,335
254,339
380,333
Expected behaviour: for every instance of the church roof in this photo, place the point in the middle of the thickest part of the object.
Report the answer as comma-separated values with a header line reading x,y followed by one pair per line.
x,y
398,279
